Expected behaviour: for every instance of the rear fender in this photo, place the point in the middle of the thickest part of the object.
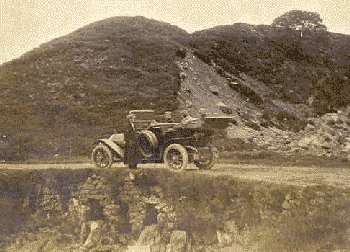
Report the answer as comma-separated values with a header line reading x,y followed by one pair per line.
x,y
191,149
119,150
193,152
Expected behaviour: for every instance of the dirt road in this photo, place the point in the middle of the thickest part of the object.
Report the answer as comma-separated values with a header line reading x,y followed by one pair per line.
x,y
300,176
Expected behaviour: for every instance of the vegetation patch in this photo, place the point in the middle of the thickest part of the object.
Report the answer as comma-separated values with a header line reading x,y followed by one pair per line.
x,y
271,158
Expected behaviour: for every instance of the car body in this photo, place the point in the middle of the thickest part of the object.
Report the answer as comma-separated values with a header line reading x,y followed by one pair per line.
x,y
175,144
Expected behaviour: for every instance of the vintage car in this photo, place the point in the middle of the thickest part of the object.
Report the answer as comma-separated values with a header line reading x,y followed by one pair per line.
x,y
175,144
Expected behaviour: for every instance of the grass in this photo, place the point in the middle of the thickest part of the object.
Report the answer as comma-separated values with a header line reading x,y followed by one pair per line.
x,y
58,99
60,159
272,54
269,158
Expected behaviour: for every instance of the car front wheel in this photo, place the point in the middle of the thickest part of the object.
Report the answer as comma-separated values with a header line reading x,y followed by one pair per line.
x,y
102,156
176,157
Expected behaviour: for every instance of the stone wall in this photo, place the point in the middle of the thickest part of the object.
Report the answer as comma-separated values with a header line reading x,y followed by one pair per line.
x,y
123,211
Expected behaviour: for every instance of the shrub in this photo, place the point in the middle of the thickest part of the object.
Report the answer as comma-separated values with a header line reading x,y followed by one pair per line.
x,y
327,139
181,53
311,122
331,122
233,144
253,125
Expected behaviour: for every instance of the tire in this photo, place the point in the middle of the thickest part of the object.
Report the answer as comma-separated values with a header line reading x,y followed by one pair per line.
x,y
147,143
102,156
209,163
176,157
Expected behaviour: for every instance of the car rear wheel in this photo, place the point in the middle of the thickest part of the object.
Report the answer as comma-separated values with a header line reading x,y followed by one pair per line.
x,y
176,157
102,156
209,161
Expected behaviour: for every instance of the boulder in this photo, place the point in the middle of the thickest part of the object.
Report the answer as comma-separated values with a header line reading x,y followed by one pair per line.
x,y
224,239
137,248
311,140
343,118
149,236
346,147
95,234
204,237
230,231
52,245
158,248
330,117
162,220
84,233
214,90
272,148
178,242
149,240
232,248
36,246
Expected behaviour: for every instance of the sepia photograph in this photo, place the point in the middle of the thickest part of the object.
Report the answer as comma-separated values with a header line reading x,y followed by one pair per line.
x,y
174,126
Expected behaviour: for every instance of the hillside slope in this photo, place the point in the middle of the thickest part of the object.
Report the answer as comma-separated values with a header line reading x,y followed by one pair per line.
x,y
59,98
137,27
221,93
62,96
261,118
298,69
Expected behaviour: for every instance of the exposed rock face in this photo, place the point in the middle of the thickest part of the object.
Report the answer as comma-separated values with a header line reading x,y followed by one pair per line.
x,y
324,136
220,93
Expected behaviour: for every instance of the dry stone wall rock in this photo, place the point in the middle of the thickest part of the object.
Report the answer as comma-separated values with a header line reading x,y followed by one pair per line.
x,y
205,237
178,242
122,212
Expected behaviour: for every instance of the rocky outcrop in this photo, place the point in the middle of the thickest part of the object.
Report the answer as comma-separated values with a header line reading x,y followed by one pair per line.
x,y
261,119
325,136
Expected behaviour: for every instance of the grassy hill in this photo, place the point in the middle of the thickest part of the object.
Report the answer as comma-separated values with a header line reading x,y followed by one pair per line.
x,y
60,97
295,67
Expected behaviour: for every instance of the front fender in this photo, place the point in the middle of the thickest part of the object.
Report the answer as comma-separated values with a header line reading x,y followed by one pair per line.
x,y
113,146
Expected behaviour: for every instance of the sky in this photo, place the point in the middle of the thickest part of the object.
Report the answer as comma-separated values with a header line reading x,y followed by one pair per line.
x,y
25,24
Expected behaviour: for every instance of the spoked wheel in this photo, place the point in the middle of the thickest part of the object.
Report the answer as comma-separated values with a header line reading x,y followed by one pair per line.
x,y
209,160
102,156
176,157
